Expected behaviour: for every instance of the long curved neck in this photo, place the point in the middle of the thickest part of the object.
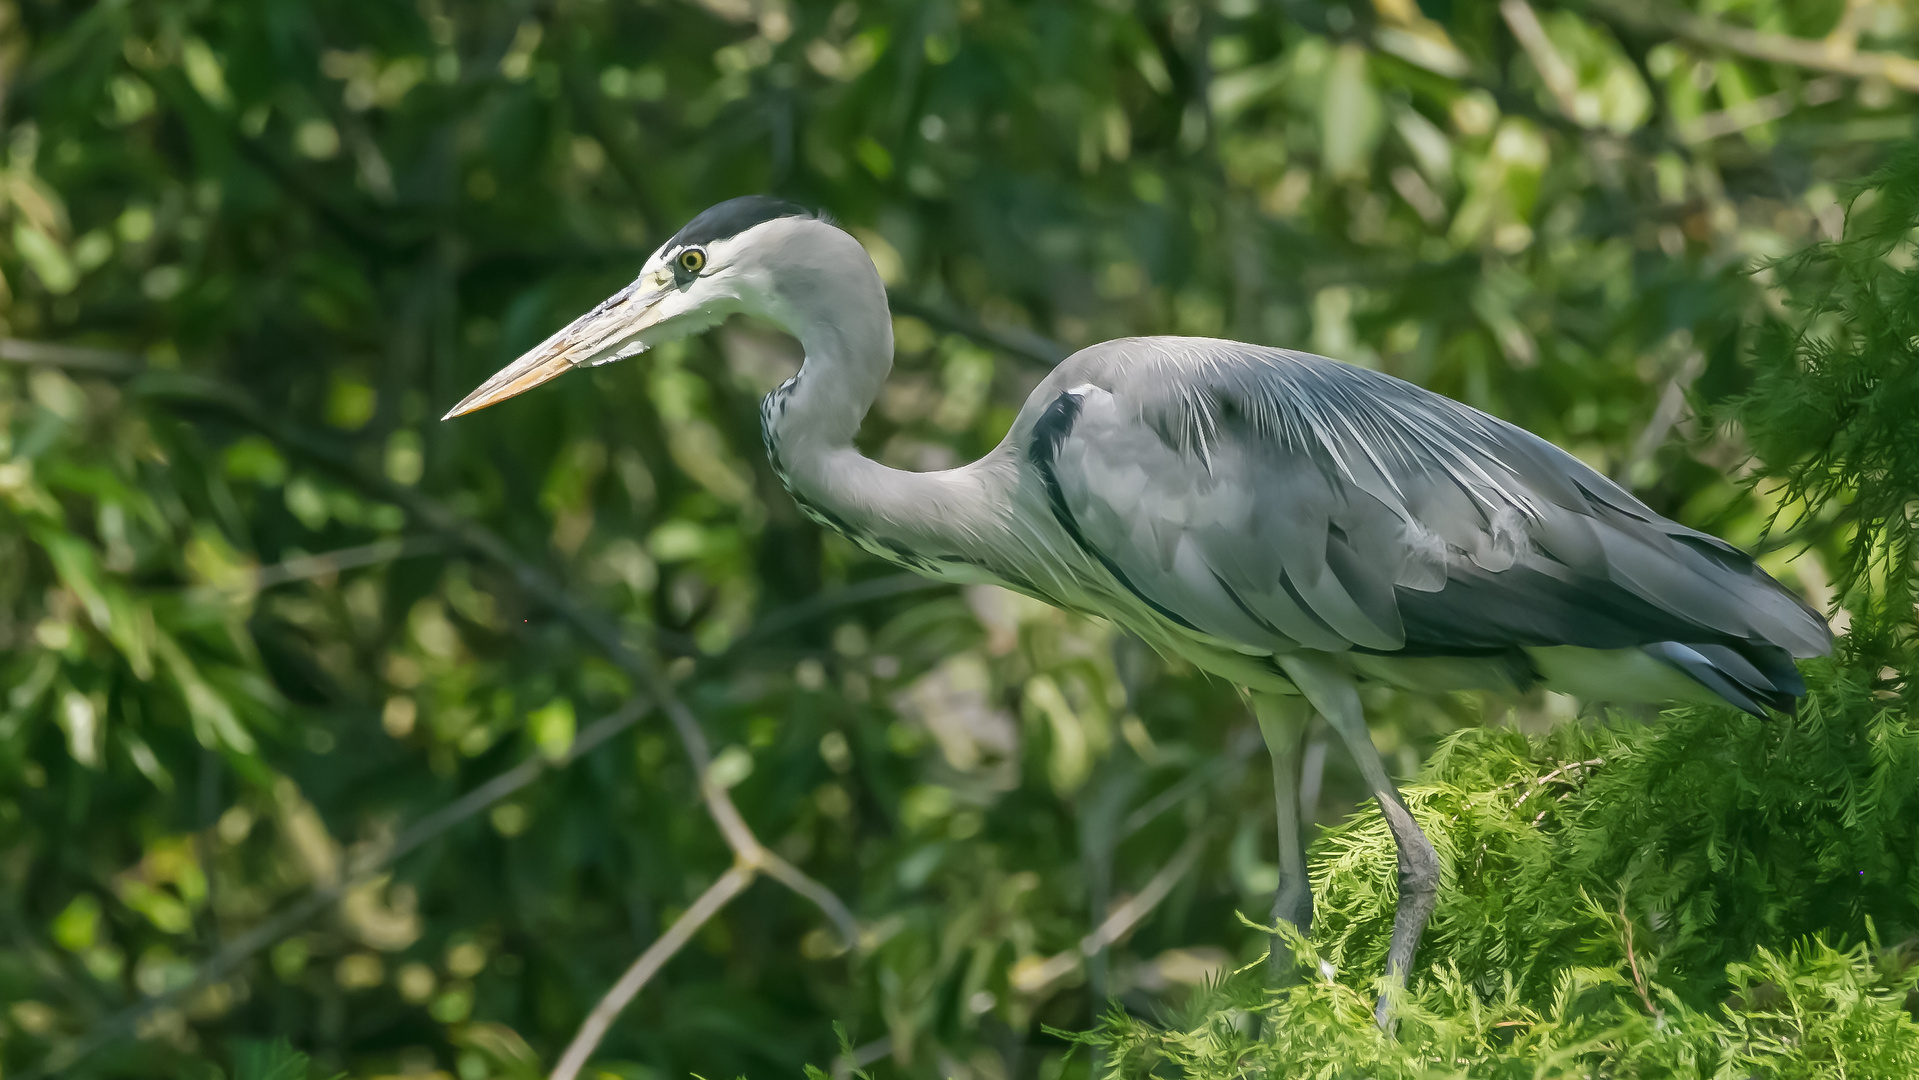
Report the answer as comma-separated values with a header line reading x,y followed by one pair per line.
x,y
846,330
849,353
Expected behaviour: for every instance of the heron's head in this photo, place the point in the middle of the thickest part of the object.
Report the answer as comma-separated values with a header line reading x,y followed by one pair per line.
x,y
757,254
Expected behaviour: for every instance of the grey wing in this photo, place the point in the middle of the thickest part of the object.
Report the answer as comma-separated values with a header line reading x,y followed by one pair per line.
x,y
1286,500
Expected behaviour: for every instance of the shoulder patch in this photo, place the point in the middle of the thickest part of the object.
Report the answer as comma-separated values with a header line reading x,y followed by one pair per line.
x,y
1052,428
733,217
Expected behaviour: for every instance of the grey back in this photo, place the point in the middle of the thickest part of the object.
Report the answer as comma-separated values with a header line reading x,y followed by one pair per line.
x,y
1284,499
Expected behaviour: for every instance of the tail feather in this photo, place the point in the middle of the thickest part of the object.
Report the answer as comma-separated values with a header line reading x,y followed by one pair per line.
x,y
1758,677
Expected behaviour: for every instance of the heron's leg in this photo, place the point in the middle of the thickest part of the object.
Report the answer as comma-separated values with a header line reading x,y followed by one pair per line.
x,y
1332,693
1283,722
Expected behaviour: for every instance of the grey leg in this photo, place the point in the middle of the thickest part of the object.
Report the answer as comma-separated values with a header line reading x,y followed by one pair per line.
x,y
1332,692
1283,722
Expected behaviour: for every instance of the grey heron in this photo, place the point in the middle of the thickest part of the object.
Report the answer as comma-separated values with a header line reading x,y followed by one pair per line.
x,y
1290,523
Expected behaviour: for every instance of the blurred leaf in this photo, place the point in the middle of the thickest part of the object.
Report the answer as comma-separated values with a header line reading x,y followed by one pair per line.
x,y
1350,115
551,727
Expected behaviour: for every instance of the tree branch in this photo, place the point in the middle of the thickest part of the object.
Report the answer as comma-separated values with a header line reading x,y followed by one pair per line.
x,y
1559,78
1666,415
71,357
307,567
716,896
1837,53
1240,747
859,1057
783,619
1760,110
1034,977
1023,344
1632,959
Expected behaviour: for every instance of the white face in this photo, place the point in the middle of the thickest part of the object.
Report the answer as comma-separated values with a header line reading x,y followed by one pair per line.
x,y
682,290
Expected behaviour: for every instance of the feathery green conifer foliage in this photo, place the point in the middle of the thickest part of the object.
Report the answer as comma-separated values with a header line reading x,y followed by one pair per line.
x,y
1709,894
1832,412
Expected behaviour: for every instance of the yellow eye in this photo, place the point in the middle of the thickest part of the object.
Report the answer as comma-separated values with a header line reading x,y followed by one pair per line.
x,y
692,260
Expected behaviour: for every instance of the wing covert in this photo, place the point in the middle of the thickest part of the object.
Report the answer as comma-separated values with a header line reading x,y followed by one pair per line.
x,y
1284,500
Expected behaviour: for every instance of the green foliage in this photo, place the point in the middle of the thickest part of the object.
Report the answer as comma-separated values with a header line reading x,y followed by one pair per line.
x,y
248,252
1812,1011
1832,406
1723,831
1706,896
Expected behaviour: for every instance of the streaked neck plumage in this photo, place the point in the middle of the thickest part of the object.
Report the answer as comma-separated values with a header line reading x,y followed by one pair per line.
x,y
834,303
828,295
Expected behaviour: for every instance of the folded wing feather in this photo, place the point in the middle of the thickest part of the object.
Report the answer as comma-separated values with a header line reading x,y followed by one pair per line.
x,y
1285,500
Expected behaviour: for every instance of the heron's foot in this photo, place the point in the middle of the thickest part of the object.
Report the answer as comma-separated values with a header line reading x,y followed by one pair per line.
x,y
1418,895
1382,1014
1292,905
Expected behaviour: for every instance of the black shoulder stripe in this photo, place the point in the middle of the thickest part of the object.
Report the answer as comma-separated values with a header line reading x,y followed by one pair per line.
x,y
1048,433
1052,428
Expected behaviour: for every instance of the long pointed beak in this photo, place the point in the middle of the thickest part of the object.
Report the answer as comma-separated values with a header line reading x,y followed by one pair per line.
x,y
608,332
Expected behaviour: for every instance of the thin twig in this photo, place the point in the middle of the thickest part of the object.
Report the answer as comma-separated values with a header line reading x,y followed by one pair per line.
x,y
1142,903
1539,783
1632,960
1023,344
71,357
1558,75
1736,118
1239,746
1036,978
434,825
860,1057
307,567
1836,53
787,618
716,896
1665,416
